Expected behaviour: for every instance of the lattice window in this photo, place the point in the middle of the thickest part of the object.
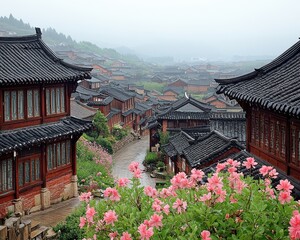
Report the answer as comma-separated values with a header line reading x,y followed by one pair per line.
x,y
58,154
267,132
6,180
283,132
55,100
29,170
13,105
262,129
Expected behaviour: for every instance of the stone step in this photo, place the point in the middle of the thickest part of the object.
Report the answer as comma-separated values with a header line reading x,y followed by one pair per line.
x,y
39,233
51,235
34,225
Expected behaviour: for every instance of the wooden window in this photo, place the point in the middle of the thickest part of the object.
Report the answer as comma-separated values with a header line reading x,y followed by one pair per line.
x,y
277,138
6,179
33,103
283,132
252,126
293,144
262,128
267,132
298,147
13,105
256,129
55,100
58,154
29,170
272,135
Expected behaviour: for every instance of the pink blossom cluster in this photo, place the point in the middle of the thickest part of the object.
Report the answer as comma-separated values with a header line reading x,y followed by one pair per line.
x,y
101,156
112,194
134,168
294,229
181,181
123,182
285,188
85,197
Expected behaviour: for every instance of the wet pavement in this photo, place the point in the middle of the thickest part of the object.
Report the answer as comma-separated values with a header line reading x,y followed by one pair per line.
x,y
135,151
55,214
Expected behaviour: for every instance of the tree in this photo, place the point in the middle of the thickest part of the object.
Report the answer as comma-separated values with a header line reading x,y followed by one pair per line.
x,y
100,123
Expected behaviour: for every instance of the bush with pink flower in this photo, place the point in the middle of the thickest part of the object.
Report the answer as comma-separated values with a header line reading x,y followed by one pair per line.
x,y
227,205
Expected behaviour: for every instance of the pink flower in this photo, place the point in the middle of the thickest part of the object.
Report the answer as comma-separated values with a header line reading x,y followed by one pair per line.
x,y
284,185
214,182
264,170
137,173
133,166
90,212
110,217
273,173
196,175
205,235
180,181
99,174
233,163
150,191
156,221
270,192
145,232
205,197
249,163
284,197
232,199
113,235
126,236
165,192
220,167
221,194
156,205
179,205
294,229
166,209
123,182
112,194
85,197
82,222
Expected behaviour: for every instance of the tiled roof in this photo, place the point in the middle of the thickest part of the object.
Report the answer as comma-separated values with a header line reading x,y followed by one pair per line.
x,y
274,86
104,102
194,132
117,93
180,141
209,147
113,112
228,115
81,111
169,150
23,138
86,91
186,108
128,112
28,60
242,156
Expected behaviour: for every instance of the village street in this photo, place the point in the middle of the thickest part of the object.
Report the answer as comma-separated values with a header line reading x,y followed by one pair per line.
x,y
135,151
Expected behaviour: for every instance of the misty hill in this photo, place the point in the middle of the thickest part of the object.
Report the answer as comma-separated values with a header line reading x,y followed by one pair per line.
x,y
10,26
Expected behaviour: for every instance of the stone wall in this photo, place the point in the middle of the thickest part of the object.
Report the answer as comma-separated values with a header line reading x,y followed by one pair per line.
x,y
124,141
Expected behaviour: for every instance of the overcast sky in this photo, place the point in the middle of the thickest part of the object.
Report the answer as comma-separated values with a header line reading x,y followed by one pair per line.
x,y
180,28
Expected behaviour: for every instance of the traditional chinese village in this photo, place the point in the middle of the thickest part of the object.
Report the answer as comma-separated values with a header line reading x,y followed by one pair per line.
x,y
111,129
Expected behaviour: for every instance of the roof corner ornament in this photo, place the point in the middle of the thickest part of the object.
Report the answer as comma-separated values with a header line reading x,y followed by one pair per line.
x,y
38,32
186,95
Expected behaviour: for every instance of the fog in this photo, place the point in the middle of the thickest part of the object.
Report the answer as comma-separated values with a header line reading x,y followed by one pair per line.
x,y
212,29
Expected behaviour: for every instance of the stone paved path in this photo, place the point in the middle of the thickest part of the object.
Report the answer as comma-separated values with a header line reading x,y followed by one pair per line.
x,y
135,151
55,214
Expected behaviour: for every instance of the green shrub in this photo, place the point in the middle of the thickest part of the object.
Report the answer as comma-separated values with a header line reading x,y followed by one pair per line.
x,y
105,143
151,157
70,228
119,132
160,164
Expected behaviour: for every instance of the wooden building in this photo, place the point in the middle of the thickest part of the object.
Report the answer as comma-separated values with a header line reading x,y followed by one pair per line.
x,y
37,134
270,97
